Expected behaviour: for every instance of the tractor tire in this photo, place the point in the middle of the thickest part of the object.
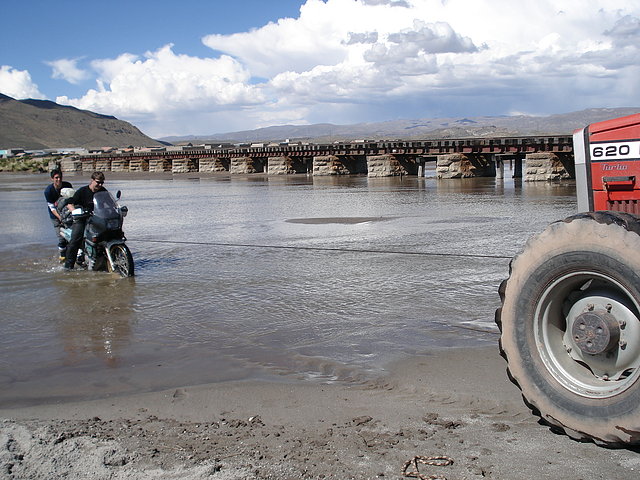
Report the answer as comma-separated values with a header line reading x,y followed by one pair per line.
x,y
570,326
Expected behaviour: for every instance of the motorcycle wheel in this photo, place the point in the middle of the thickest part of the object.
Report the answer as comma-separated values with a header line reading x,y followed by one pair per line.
x,y
122,261
570,326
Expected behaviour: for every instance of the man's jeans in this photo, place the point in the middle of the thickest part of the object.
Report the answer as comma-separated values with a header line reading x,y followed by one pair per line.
x,y
62,243
77,236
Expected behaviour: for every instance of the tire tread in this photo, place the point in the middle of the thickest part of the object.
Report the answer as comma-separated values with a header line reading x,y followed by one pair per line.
x,y
630,223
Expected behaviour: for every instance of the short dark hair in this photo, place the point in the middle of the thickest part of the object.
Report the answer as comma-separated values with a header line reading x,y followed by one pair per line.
x,y
56,171
97,176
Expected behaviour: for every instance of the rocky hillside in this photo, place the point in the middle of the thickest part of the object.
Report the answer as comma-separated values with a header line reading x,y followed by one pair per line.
x,y
41,124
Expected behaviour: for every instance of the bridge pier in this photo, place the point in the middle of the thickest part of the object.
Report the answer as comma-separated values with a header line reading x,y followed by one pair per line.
x,y
120,165
159,165
391,165
213,164
285,165
517,167
88,165
243,165
459,165
329,165
421,162
548,166
499,163
184,165
71,165
103,165
338,165
139,165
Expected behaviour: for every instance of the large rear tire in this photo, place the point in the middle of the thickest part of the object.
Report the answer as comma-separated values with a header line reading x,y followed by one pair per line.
x,y
122,260
570,326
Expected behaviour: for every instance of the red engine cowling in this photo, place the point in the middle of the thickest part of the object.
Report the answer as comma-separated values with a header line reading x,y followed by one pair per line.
x,y
607,157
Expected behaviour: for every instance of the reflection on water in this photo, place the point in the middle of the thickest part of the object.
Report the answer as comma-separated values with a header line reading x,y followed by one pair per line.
x,y
287,277
100,328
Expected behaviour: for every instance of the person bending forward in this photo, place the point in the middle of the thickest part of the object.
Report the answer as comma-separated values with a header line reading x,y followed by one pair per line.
x,y
82,198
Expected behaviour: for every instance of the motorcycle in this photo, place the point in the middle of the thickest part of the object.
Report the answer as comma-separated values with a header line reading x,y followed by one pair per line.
x,y
104,246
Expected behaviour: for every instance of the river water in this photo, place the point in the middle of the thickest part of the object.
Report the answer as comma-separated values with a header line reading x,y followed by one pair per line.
x,y
293,278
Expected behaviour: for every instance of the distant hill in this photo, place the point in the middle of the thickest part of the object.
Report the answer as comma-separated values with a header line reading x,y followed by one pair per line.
x,y
426,128
41,124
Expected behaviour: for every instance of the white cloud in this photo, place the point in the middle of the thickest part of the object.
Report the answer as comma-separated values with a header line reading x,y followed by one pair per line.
x,y
163,82
392,3
429,51
344,59
18,84
67,69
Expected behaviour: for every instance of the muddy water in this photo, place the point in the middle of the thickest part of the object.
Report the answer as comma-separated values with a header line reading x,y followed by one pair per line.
x,y
245,277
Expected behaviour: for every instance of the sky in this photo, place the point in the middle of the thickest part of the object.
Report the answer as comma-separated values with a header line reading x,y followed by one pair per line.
x,y
198,67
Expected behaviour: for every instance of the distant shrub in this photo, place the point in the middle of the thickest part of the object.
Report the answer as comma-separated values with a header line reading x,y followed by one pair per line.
x,y
24,164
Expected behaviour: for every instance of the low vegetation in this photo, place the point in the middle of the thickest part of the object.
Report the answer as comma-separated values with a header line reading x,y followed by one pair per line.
x,y
26,164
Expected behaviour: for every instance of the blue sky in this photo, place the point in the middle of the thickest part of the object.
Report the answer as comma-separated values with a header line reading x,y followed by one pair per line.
x,y
202,67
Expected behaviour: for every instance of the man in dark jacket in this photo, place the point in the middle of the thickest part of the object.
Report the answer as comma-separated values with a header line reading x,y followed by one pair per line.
x,y
52,194
82,198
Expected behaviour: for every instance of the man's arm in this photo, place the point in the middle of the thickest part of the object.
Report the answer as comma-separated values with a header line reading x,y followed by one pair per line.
x,y
54,210
48,195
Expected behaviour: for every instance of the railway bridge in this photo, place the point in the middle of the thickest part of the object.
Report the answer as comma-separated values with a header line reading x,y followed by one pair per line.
x,y
536,158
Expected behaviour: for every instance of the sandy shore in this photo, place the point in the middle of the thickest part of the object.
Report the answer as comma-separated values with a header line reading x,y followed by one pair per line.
x,y
455,403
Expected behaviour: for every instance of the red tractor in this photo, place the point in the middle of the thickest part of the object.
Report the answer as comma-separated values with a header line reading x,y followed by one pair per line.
x,y
570,314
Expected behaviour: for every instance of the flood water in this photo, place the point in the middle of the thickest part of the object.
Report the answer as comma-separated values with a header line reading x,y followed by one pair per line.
x,y
293,278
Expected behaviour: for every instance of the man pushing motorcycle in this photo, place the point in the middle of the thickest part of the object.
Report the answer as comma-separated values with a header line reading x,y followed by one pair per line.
x,y
82,198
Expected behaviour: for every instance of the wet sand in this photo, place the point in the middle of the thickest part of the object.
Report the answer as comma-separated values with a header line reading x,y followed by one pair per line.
x,y
453,403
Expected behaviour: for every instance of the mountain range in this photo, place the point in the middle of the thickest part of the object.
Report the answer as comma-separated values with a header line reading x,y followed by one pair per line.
x,y
426,128
41,124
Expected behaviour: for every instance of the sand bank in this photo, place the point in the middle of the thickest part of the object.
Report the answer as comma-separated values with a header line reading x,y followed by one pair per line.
x,y
455,403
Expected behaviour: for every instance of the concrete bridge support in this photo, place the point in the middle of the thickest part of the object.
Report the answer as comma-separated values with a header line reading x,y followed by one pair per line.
x,y
242,165
138,165
103,165
88,165
184,165
548,167
285,165
120,165
329,165
71,165
517,168
499,162
159,165
421,162
213,164
458,165
391,165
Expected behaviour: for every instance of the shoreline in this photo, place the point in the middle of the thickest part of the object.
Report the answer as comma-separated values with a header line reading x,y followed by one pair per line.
x,y
456,403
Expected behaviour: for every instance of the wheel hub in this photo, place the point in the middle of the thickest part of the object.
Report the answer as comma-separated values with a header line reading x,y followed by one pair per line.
x,y
602,336
596,332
